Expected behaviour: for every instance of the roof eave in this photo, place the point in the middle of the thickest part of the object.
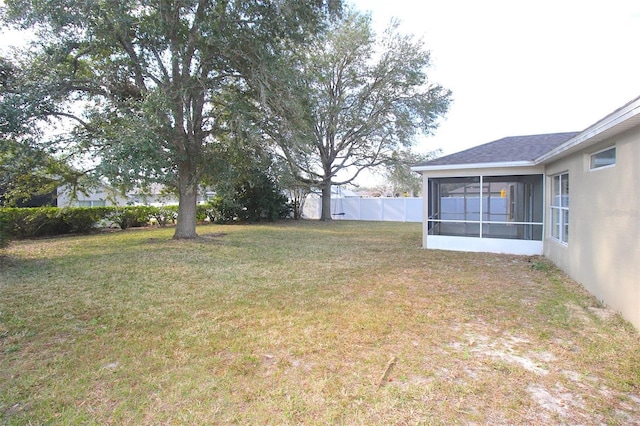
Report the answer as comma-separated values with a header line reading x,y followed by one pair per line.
x,y
503,164
596,132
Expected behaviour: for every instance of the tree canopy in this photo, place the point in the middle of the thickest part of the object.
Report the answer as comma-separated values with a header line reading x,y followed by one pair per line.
x,y
399,176
147,86
350,101
28,169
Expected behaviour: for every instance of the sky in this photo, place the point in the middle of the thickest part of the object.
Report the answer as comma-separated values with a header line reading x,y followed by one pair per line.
x,y
521,67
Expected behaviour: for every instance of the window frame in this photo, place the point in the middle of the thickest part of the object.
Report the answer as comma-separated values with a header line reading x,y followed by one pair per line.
x,y
559,208
593,155
472,214
91,203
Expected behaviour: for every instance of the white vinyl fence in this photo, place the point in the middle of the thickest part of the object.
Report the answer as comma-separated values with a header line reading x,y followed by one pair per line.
x,y
381,209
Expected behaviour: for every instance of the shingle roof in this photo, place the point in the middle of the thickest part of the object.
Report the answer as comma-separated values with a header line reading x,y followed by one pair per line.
x,y
509,149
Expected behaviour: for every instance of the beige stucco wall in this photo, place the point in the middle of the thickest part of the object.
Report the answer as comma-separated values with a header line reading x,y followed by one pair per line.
x,y
603,251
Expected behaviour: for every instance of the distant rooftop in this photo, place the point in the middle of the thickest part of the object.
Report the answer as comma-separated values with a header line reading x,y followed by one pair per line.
x,y
509,149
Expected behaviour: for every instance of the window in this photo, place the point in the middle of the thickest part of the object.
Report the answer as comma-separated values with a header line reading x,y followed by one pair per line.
x,y
560,208
91,203
604,158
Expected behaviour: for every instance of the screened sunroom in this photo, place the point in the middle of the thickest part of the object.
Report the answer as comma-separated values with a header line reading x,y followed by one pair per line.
x,y
488,198
492,213
508,207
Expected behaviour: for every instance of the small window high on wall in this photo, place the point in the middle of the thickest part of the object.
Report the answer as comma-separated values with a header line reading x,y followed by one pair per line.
x,y
604,158
506,207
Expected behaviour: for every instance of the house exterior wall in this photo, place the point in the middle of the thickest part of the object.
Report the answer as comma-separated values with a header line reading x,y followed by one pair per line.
x,y
603,248
107,196
111,198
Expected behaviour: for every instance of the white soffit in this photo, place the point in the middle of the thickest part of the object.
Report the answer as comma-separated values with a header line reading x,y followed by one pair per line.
x,y
473,166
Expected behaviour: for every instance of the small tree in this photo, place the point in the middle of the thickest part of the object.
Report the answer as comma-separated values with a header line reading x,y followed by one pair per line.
x,y
296,190
246,183
297,197
399,176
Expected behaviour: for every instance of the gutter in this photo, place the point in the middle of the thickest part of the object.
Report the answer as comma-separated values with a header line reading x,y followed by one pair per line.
x,y
612,120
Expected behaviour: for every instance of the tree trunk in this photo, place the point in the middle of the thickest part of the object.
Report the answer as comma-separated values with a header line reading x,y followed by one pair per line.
x,y
188,198
326,201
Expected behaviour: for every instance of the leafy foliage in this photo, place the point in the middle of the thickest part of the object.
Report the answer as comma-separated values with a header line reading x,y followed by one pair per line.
x,y
164,215
28,168
28,173
247,188
154,80
349,102
131,216
398,172
5,236
42,221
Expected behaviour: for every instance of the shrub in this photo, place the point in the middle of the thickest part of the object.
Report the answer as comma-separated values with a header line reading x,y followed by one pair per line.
x,y
222,209
253,205
169,214
246,181
35,221
82,219
164,215
131,216
5,236
201,212
263,204
42,221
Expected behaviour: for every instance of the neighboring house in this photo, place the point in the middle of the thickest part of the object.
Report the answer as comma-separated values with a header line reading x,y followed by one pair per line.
x,y
105,195
101,196
573,197
154,195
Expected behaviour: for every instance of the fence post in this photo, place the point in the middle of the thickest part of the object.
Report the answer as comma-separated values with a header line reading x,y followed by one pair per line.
x,y
406,209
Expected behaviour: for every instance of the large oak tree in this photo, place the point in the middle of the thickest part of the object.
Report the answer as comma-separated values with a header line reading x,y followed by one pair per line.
x,y
150,84
350,101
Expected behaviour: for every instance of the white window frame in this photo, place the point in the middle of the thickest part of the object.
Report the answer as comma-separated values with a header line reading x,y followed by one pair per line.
x,y
92,203
559,214
594,154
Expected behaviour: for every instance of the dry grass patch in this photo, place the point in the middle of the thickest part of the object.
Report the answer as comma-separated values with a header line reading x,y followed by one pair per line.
x,y
303,323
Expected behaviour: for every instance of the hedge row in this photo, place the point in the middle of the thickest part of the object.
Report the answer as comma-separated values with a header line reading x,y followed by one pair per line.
x,y
44,221
41,221
4,232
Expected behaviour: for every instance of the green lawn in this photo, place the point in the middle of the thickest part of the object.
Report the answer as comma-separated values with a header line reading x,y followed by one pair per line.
x,y
302,323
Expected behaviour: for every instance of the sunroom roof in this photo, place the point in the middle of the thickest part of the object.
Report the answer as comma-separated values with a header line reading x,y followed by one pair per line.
x,y
506,150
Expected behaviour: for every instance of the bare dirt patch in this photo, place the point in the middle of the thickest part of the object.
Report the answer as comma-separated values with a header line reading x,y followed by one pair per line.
x,y
559,394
